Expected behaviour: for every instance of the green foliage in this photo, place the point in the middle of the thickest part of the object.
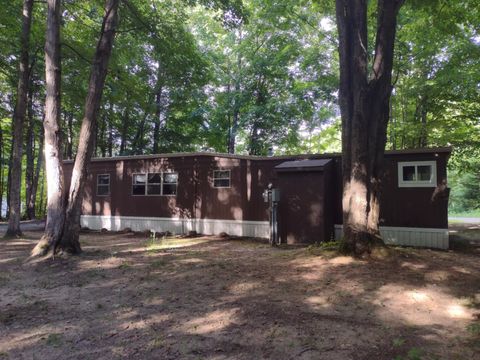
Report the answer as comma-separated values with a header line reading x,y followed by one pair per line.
x,y
263,70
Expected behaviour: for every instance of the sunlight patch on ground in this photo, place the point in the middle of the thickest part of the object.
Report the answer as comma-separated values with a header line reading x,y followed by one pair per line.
x,y
428,306
30,338
342,260
108,263
413,266
172,243
461,270
7,260
318,302
190,261
438,275
458,311
212,322
244,287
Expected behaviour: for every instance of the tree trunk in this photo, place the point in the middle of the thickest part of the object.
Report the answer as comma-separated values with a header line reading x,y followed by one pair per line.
x,y
33,197
69,147
110,132
18,120
101,136
29,151
364,104
124,131
236,101
158,115
1,171
71,231
53,141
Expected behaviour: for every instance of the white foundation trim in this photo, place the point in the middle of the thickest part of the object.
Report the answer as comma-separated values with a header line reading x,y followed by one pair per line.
x,y
177,225
407,236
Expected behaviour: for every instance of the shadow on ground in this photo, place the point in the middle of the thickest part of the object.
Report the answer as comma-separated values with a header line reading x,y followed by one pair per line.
x,y
212,298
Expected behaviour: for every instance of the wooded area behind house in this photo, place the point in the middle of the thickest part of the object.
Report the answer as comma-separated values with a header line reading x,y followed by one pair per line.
x,y
236,77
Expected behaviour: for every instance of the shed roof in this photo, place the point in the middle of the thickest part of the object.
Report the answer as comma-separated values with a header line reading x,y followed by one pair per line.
x,y
255,157
303,165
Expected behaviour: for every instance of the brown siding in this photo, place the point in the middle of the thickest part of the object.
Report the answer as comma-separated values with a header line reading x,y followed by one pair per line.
x,y
196,197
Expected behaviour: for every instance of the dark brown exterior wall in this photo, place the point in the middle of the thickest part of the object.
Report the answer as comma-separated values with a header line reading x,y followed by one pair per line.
x,y
197,198
421,207
305,213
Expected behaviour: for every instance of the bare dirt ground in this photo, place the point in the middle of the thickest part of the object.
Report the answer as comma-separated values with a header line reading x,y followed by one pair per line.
x,y
127,297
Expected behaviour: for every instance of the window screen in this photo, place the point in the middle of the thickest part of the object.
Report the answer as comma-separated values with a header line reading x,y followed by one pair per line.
x,y
139,184
417,174
154,186
103,184
221,178
170,181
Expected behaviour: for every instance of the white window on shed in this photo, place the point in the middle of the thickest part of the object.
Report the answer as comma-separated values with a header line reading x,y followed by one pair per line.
x,y
417,174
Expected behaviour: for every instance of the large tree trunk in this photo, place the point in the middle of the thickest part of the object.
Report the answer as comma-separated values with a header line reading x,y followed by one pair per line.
x,y
53,141
364,105
18,120
71,231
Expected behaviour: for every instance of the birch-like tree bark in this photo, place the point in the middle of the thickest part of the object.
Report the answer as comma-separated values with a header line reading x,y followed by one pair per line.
x,y
53,140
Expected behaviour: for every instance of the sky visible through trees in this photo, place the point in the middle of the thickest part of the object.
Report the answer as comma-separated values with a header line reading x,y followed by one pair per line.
x,y
242,77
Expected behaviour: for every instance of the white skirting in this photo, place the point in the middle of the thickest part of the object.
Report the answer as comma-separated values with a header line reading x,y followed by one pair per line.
x,y
176,225
406,236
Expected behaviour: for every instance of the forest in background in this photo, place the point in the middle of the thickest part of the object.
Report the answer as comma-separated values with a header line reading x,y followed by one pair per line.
x,y
196,77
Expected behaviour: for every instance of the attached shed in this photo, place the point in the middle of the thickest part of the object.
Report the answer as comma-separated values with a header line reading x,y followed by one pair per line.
x,y
305,209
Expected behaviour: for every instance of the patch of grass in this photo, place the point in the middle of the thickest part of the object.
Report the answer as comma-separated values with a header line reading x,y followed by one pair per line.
x,y
398,342
159,263
412,354
156,343
125,265
54,340
4,279
475,213
327,248
474,329
95,273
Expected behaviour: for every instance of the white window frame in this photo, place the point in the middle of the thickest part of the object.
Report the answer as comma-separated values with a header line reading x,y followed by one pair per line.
x,y
216,178
146,183
417,183
109,185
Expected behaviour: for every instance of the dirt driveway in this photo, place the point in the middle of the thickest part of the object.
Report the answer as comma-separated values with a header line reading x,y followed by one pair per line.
x,y
209,298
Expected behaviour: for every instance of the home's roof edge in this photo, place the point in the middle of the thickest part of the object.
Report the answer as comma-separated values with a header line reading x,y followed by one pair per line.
x,y
255,157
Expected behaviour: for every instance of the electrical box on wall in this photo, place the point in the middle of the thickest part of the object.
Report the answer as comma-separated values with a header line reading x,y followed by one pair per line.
x,y
275,195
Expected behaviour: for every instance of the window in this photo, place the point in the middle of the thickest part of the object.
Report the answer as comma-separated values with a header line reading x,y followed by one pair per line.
x,y
221,178
103,184
169,186
155,184
417,174
139,184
